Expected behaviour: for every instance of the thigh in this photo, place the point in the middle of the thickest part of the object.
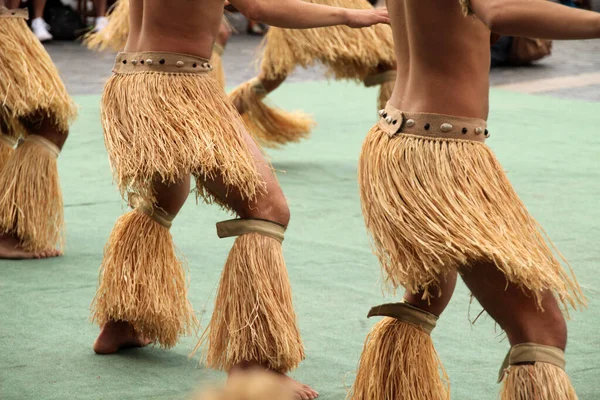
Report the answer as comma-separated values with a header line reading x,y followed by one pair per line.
x,y
266,203
436,299
170,197
514,308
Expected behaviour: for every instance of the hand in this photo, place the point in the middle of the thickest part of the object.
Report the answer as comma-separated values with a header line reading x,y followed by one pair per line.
x,y
366,18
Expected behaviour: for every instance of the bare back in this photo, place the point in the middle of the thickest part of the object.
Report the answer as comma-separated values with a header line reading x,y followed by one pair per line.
x,y
443,58
178,26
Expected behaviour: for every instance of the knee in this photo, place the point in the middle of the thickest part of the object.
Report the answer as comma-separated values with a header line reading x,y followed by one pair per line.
x,y
547,328
47,128
270,84
274,209
557,326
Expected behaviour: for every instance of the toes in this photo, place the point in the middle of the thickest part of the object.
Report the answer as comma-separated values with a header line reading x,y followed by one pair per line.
x,y
306,393
311,392
302,396
47,254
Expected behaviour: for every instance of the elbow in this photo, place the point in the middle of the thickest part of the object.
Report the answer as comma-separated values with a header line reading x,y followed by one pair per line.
x,y
256,12
495,16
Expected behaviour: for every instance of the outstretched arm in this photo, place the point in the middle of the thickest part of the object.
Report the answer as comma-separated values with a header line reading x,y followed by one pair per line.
x,y
540,19
297,14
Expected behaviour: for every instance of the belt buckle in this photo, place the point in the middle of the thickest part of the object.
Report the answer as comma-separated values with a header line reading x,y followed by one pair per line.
x,y
391,121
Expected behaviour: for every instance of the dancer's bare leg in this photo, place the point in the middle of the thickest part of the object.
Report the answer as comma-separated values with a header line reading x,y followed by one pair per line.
x,y
100,8
516,311
271,206
269,84
10,245
101,21
440,297
10,4
117,335
38,8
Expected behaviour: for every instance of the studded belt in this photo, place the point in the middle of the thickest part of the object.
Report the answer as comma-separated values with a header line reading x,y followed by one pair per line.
x,y
18,13
395,122
153,61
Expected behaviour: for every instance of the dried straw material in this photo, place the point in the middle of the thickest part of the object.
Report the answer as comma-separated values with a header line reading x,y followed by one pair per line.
x,y
254,319
346,53
539,381
251,385
270,126
435,205
169,125
399,362
216,61
7,146
114,35
143,282
29,82
11,127
31,206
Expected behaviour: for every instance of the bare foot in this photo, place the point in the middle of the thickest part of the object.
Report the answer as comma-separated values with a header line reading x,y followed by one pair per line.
x,y
117,335
301,391
10,248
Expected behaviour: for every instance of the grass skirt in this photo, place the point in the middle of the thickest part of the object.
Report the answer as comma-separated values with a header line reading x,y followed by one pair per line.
x,y
30,86
434,205
170,125
346,53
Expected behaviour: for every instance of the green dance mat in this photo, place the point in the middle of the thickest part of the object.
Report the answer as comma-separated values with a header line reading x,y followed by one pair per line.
x,y
548,146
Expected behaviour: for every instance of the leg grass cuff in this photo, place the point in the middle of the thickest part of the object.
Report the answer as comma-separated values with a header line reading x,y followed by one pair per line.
x,y
51,147
238,227
531,353
406,313
160,216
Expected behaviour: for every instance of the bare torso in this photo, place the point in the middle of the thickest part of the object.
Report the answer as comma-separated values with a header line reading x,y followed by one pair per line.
x,y
443,58
178,26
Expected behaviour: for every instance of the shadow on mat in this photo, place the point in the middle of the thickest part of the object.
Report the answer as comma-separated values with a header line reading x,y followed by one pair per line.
x,y
153,355
322,170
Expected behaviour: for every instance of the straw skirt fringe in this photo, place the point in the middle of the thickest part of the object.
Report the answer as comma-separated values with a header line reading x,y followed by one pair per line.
x,y
347,53
114,35
435,205
538,381
143,282
270,126
30,86
168,126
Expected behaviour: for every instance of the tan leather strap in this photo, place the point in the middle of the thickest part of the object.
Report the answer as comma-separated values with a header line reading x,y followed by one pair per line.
x,y
51,147
531,353
154,61
22,13
238,227
258,87
157,214
394,122
378,79
217,48
8,141
406,313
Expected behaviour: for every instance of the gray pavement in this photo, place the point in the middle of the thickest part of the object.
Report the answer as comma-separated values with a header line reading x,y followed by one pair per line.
x,y
85,72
